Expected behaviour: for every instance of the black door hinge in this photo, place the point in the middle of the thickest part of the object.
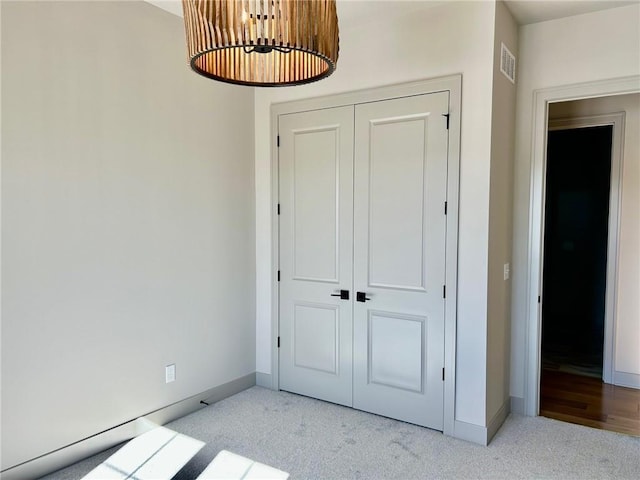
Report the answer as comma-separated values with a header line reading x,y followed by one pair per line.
x,y
278,342
446,115
278,209
444,291
443,374
278,275
538,298
278,138
445,208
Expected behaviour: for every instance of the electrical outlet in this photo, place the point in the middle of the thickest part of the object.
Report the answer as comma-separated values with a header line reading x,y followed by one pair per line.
x,y
507,271
170,373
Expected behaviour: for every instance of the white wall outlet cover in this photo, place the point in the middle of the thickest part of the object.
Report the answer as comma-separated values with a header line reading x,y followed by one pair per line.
x,y
170,373
507,271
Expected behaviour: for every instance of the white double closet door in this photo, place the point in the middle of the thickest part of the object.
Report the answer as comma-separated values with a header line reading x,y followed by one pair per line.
x,y
362,192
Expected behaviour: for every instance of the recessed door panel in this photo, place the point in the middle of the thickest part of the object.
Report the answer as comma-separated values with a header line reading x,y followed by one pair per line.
x,y
316,337
315,176
398,367
396,201
396,351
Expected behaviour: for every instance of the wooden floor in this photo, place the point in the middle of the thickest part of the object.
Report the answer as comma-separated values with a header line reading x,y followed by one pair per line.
x,y
589,401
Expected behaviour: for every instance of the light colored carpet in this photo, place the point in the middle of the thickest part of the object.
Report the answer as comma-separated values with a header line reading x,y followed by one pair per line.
x,y
316,440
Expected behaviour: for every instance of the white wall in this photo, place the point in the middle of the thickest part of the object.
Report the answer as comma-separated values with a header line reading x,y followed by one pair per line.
x,y
584,48
430,42
127,222
500,218
627,330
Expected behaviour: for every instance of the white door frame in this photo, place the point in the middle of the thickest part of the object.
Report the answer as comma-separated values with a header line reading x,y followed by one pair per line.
x,y
541,101
453,84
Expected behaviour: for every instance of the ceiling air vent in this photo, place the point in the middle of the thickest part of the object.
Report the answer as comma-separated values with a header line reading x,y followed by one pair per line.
x,y
508,63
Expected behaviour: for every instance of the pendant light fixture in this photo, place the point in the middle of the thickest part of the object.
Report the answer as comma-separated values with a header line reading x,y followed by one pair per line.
x,y
267,43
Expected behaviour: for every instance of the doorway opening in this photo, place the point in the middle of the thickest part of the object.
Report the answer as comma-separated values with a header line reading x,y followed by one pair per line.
x,y
578,184
579,101
580,245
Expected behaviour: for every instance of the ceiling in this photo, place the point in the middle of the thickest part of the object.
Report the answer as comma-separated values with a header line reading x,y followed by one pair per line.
x,y
533,11
525,11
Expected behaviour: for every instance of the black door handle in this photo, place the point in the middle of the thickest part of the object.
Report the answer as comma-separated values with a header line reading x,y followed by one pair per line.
x,y
344,294
361,297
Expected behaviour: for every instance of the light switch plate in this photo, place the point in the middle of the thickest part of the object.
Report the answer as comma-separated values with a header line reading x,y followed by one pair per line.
x,y
507,271
170,373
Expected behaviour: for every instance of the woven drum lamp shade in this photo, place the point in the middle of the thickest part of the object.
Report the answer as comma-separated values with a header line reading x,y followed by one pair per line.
x,y
262,42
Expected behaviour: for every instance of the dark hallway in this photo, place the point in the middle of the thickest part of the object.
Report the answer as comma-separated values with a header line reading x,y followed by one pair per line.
x,y
575,249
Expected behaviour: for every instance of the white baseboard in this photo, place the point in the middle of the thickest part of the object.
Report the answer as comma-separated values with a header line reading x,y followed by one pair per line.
x,y
498,419
479,434
624,379
67,455
264,380
517,405
470,432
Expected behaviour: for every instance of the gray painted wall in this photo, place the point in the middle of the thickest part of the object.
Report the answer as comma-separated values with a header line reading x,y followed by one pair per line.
x,y
127,222
503,117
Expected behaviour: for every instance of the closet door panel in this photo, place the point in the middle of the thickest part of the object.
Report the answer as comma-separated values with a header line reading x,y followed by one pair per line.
x,y
399,251
316,245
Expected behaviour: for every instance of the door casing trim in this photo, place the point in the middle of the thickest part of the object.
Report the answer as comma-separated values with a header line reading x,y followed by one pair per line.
x,y
452,84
